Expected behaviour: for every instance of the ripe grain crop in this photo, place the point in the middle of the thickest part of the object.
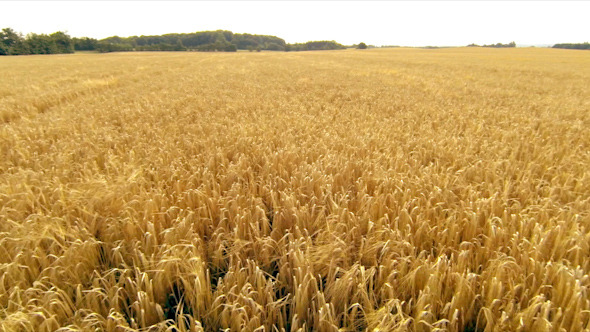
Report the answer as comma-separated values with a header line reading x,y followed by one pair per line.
x,y
383,190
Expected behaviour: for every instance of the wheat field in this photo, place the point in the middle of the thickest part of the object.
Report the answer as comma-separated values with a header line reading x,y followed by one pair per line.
x,y
381,190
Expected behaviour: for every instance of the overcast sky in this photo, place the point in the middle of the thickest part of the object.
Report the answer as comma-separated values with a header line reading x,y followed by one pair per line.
x,y
418,23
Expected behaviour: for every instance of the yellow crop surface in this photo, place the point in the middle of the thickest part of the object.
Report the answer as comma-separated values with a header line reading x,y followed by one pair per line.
x,y
383,190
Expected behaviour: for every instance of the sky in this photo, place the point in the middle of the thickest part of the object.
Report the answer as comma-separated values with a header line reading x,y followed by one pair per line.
x,y
416,23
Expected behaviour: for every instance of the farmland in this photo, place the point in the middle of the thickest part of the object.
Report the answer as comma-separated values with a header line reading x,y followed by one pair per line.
x,y
383,189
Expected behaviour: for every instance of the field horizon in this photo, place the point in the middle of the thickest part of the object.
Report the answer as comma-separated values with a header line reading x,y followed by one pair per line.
x,y
397,189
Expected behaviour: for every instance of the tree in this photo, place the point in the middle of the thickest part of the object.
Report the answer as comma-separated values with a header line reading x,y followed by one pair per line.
x,y
21,47
9,37
362,46
274,47
316,46
231,48
12,43
500,45
41,44
85,44
574,46
63,42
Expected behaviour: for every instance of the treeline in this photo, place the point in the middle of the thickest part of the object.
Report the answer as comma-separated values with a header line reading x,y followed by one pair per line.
x,y
497,45
315,46
13,43
573,46
208,41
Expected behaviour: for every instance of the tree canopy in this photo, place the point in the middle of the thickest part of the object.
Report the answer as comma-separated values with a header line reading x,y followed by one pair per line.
x,y
497,45
573,46
208,41
13,43
315,46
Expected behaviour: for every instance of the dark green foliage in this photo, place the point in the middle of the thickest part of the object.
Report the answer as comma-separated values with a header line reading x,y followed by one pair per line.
x,y
316,46
362,46
573,46
217,47
244,41
85,44
41,44
106,47
206,41
178,46
13,43
21,47
275,47
497,45
231,48
323,45
194,40
63,42
9,37
114,40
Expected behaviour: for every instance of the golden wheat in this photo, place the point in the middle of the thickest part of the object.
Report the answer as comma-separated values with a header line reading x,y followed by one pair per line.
x,y
388,190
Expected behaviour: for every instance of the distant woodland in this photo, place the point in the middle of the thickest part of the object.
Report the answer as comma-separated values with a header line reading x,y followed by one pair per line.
x,y
14,43
498,45
579,46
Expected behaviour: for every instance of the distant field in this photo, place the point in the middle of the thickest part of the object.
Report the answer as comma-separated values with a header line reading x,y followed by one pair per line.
x,y
384,189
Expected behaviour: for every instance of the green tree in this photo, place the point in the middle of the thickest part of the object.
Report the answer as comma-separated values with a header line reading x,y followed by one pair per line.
x,y
574,46
274,47
500,45
41,44
85,44
63,42
362,46
9,37
21,47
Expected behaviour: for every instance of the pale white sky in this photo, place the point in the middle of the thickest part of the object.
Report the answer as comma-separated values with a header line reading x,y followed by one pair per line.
x,y
416,23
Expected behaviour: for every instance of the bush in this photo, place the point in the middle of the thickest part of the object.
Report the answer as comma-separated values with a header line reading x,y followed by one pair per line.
x,y
231,48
